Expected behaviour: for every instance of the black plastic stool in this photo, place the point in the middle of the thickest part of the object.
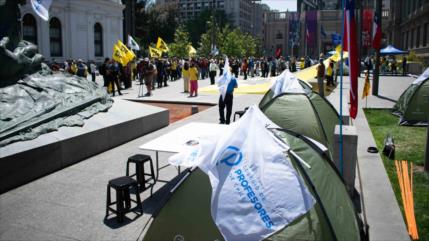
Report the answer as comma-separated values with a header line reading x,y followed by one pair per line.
x,y
122,186
139,160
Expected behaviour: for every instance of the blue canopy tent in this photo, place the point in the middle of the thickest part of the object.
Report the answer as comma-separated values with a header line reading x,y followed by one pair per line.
x,y
390,50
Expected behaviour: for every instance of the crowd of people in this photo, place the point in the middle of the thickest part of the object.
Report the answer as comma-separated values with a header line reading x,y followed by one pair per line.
x,y
388,65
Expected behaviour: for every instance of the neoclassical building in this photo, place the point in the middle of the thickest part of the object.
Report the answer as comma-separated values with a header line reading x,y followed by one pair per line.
x,y
76,29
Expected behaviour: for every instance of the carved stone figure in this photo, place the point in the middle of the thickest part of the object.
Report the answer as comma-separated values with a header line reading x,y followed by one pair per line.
x,y
33,100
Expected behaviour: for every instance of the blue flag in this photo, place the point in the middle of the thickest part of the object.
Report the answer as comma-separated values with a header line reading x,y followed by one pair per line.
x,y
336,39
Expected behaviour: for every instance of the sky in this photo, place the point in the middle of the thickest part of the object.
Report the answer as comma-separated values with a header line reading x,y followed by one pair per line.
x,y
281,5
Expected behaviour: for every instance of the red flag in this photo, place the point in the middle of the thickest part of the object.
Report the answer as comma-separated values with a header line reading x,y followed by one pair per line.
x,y
366,27
376,32
278,52
350,44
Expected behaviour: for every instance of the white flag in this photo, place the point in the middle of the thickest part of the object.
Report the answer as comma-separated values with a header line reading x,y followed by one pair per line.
x,y
41,7
133,44
255,189
224,80
286,82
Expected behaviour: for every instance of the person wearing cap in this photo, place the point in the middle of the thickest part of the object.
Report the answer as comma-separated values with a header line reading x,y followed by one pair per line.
x,y
149,73
321,77
213,68
82,69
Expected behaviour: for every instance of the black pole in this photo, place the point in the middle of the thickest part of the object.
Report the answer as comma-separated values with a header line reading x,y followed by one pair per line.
x,y
213,24
376,73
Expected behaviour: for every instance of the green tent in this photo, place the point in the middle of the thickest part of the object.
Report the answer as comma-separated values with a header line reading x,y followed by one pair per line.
x,y
306,113
187,216
413,105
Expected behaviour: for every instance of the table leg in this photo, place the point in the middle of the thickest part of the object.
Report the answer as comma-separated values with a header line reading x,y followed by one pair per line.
x,y
157,165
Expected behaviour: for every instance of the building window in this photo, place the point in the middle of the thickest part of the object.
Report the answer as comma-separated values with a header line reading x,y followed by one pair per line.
x,y
29,28
55,37
279,35
98,40
425,34
412,38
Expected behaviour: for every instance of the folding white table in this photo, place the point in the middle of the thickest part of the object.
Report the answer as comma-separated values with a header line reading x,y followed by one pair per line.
x,y
175,141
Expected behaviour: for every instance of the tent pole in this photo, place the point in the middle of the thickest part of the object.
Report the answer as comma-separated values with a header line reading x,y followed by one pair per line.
x,y
341,89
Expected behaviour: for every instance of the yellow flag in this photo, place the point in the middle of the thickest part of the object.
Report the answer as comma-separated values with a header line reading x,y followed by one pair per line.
x,y
161,45
366,87
129,55
154,52
118,55
192,51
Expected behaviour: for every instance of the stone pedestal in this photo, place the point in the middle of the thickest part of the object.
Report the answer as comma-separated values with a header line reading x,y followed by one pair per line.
x,y
194,109
350,139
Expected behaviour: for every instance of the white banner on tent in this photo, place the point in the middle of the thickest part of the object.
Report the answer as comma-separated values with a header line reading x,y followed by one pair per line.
x,y
286,82
255,189
41,7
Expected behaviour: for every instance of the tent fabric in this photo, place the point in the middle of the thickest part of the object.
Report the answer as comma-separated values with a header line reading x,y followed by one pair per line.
x,y
186,214
312,115
412,105
295,112
390,50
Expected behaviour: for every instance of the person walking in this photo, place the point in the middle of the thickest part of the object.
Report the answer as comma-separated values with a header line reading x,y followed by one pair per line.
x,y
149,73
185,76
244,68
368,63
193,77
103,71
252,67
321,77
404,66
221,65
213,68
92,68
227,102
112,76
330,74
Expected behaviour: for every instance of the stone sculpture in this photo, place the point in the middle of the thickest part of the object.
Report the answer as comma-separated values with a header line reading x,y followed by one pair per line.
x,y
33,100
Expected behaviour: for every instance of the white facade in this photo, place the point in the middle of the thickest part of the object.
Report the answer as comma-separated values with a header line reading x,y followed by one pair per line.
x,y
78,19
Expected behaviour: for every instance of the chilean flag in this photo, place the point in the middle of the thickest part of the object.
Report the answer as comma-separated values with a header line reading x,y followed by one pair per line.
x,y
350,44
376,32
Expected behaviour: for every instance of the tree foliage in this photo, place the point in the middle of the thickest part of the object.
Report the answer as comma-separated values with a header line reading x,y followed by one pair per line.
x,y
161,20
199,25
180,46
153,21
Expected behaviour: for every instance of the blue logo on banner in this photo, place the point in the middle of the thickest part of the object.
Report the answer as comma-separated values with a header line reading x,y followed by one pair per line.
x,y
231,156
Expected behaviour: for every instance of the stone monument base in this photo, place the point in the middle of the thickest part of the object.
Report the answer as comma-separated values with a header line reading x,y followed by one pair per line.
x,y
24,161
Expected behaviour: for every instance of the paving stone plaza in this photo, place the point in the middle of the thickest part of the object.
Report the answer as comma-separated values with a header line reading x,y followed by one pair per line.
x,y
69,204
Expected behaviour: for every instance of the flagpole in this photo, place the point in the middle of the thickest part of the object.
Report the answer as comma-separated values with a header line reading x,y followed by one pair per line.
x,y
341,89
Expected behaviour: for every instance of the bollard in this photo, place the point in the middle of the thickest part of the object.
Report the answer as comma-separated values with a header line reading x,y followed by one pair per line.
x,y
350,139
194,109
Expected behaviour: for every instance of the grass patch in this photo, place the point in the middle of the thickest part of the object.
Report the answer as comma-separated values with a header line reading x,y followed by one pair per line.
x,y
410,145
